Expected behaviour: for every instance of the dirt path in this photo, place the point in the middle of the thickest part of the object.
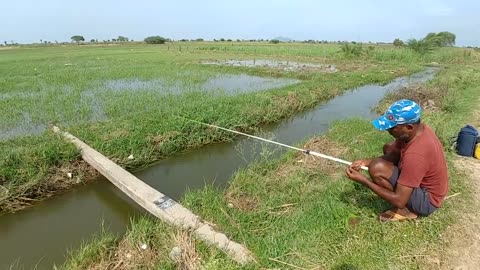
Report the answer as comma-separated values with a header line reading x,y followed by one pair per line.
x,y
464,236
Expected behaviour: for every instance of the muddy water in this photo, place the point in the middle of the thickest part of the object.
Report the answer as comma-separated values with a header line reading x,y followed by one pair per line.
x,y
27,127
228,83
277,64
242,83
41,235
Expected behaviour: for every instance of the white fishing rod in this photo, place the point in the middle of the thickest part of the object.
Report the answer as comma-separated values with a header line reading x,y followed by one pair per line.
x,y
313,153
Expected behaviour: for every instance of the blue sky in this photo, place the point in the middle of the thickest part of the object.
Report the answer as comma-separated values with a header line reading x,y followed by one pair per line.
x,y
26,21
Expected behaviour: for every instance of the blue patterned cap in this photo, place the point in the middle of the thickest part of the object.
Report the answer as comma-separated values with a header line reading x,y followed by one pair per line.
x,y
401,112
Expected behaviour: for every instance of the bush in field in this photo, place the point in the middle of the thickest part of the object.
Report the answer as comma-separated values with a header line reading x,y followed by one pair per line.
x,y
122,39
155,40
398,43
421,46
77,38
350,50
441,39
275,41
369,50
431,41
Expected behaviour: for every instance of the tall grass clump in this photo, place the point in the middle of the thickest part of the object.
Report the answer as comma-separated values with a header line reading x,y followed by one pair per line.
x,y
351,50
421,46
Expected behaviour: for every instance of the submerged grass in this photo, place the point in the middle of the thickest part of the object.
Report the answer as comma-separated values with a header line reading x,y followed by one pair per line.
x,y
293,215
66,86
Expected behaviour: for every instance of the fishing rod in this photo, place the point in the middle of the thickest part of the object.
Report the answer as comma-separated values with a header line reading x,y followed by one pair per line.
x,y
306,151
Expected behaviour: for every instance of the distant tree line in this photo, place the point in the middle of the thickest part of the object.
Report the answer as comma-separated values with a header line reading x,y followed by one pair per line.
x,y
12,43
79,38
422,46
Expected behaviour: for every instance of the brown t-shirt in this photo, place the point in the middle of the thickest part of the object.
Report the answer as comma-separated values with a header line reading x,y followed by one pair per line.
x,y
422,164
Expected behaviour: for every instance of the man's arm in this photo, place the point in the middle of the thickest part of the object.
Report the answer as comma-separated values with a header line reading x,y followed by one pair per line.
x,y
398,198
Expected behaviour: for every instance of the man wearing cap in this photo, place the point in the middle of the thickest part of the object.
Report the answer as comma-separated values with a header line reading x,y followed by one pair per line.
x,y
412,173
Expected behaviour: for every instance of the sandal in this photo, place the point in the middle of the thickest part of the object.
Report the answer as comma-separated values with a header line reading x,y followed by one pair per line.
x,y
393,215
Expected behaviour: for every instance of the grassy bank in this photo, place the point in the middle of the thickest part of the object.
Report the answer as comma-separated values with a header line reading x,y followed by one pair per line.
x,y
299,213
94,92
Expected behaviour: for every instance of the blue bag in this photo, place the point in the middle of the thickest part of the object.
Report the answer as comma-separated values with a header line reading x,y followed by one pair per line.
x,y
466,141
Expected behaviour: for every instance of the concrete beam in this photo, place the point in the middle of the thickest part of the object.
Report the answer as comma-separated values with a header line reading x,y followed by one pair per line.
x,y
157,203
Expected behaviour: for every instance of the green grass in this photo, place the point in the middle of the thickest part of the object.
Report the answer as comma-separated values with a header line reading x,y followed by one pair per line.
x,y
66,86
100,248
333,222
105,250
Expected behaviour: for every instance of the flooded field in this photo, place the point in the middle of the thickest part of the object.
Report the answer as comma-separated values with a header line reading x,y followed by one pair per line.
x,y
239,84
25,127
93,102
275,64
223,83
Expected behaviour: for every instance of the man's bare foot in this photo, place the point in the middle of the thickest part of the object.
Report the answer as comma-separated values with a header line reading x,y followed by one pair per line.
x,y
397,214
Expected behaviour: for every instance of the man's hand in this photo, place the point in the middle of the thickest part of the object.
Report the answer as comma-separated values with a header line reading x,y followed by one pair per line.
x,y
355,175
356,165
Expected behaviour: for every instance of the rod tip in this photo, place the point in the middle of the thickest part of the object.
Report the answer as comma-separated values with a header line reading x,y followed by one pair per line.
x,y
55,129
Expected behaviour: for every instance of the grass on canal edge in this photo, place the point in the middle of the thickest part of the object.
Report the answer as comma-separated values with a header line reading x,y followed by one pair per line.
x,y
304,215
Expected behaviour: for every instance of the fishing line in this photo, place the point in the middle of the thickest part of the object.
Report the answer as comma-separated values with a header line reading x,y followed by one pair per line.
x,y
306,151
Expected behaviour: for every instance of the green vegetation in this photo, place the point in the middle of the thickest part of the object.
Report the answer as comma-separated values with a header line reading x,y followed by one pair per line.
x,y
398,43
100,246
121,100
429,42
155,40
77,38
441,39
307,214
421,46
110,98
122,39
352,49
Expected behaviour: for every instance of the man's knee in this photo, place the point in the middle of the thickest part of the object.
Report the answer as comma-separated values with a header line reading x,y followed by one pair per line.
x,y
389,147
380,168
381,171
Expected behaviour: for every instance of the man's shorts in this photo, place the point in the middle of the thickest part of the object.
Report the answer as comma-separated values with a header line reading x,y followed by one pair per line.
x,y
419,201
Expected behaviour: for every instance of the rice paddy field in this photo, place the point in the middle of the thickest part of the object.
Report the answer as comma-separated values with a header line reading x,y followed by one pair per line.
x,y
123,101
